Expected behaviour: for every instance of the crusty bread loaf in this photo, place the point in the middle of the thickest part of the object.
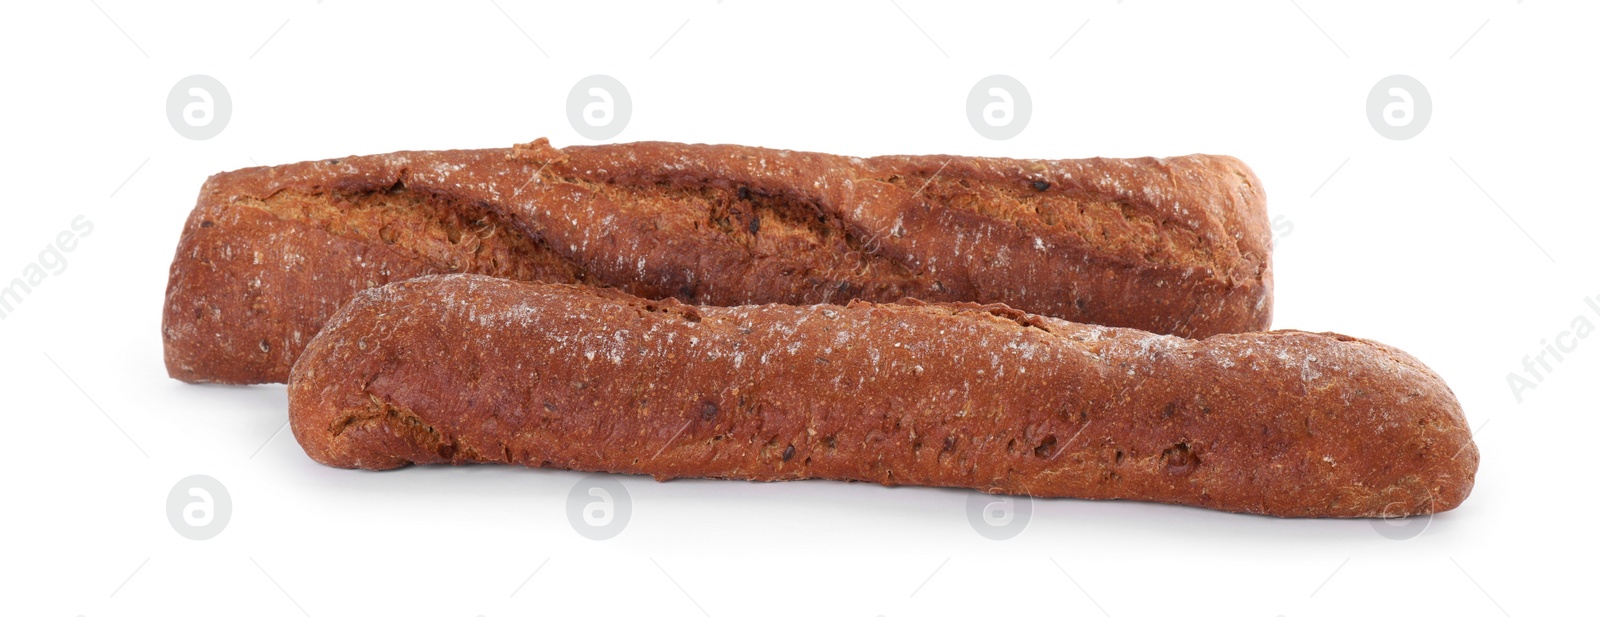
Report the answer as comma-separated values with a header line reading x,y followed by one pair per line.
x,y
1175,245
472,369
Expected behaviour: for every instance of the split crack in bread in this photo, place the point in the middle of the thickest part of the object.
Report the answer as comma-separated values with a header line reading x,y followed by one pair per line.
x,y
1175,245
470,369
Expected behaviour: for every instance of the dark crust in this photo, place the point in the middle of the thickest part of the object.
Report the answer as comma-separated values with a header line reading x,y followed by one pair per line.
x,y
467,369
1176,245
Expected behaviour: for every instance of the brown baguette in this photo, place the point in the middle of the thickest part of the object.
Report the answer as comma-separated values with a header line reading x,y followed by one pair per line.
x,y
469,369
1177,245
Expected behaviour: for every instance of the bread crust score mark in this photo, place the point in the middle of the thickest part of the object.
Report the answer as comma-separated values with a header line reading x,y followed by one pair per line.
x,y
1176,245
459,369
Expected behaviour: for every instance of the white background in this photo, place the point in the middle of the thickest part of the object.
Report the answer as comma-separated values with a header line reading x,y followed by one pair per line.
x,y
1467,246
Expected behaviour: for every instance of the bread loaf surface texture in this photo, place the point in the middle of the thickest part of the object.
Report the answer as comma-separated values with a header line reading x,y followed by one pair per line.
x,y
1174,245
462,369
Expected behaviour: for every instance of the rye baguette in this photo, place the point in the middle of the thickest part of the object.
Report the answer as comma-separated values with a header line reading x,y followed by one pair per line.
x,y
463,369
1177,245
